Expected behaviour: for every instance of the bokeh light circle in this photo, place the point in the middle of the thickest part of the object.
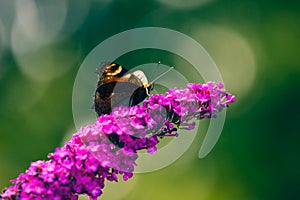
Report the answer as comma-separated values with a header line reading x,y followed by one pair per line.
x,y
232,53
39,36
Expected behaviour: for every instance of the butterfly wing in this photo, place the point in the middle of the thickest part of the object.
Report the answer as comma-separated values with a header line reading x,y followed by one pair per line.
x,y
141,89
117,87
138,96
140,75
113,94
102,99
109,72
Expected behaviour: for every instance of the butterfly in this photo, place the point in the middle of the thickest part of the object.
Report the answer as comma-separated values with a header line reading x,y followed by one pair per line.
x,y
117,86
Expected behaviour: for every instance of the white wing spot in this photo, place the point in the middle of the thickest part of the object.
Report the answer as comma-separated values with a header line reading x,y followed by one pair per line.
x,y
141,75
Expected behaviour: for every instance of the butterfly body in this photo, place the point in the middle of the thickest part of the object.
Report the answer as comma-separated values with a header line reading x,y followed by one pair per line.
x,y
116,86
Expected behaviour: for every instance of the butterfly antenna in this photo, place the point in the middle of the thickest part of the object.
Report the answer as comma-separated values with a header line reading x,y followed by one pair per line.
x,y
155,70
158,77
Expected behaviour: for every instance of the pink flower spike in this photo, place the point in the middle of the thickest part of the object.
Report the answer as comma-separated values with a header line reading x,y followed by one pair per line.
x,y
108,148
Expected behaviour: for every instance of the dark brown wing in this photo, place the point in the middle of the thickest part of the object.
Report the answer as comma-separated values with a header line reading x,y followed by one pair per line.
x,y
109,72
110,95
102,100
117,87
139,95
135,88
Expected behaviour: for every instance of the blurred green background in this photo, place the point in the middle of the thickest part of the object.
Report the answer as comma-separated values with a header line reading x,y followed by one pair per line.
x,y
255,44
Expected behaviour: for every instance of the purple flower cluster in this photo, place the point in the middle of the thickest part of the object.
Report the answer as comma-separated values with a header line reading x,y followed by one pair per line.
x,y
109,147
